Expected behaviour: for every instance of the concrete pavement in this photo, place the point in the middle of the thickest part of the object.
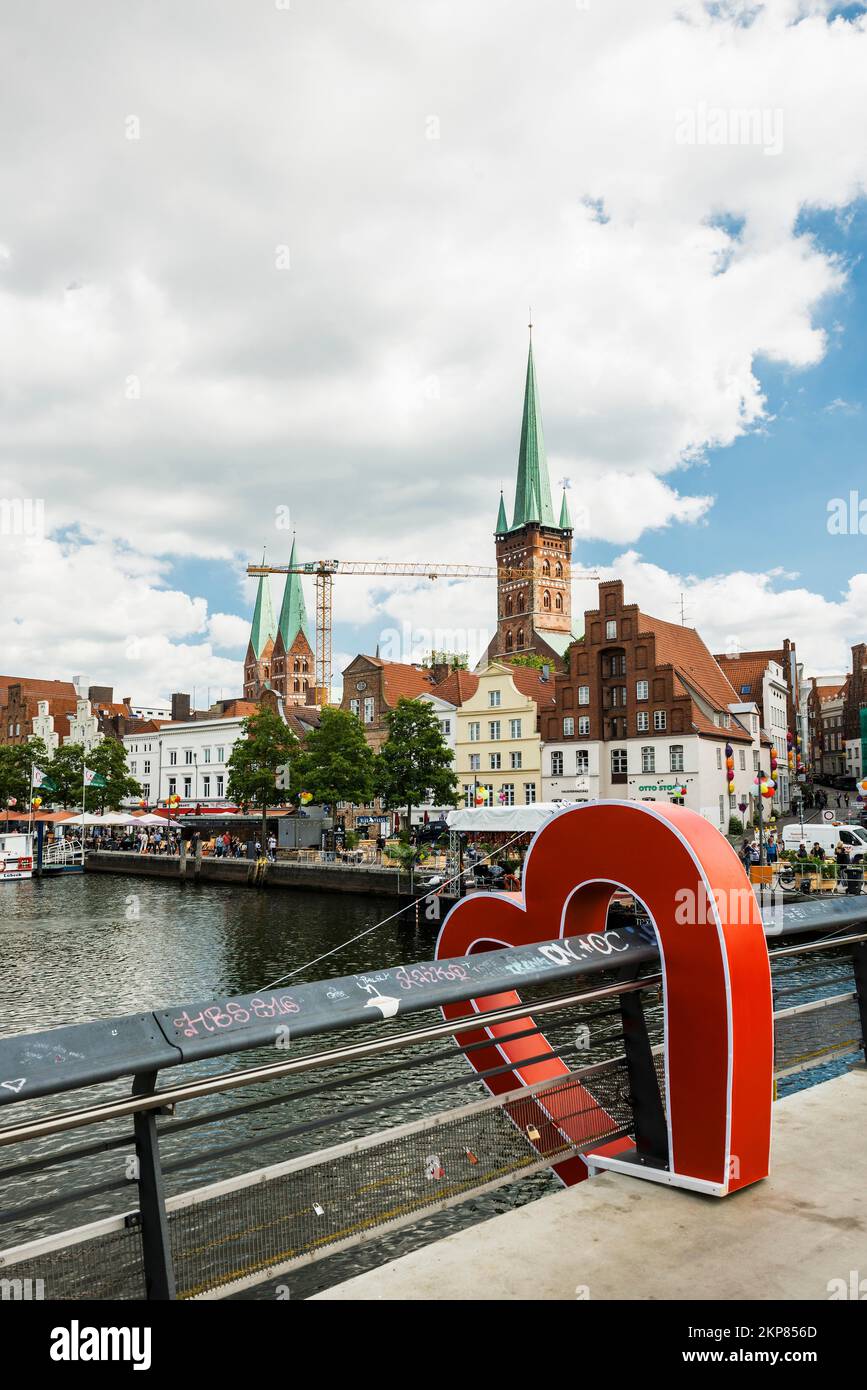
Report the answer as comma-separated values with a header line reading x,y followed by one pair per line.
x,y
617,1237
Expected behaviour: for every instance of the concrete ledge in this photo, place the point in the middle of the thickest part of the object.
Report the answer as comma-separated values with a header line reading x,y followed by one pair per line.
x,y
616,1237
319,878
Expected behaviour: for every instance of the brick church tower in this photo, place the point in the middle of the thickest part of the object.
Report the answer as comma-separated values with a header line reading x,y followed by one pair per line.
x,y
533,615
279,653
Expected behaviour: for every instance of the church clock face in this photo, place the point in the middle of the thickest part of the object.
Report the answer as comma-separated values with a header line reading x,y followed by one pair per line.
x,y
361,685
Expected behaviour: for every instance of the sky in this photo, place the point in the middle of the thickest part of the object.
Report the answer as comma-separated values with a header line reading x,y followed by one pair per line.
x,y
267,267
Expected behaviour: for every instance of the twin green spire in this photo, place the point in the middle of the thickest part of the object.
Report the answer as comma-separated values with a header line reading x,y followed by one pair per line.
x,y
293,613
533,486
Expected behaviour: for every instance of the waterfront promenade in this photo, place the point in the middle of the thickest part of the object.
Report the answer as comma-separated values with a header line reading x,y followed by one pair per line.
x,y
617,1237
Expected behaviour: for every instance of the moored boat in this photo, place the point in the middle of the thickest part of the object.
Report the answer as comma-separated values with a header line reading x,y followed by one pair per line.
x,y
16,855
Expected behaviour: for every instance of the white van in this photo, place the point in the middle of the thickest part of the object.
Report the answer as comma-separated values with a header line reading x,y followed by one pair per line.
x,y
829,836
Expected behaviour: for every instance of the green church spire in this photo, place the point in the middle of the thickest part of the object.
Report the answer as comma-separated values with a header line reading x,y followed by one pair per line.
x,y
502,523
293,613
533,488
264,626
565,518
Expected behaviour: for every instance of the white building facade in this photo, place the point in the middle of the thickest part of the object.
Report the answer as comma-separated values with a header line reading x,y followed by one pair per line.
x,y
684,769
186,760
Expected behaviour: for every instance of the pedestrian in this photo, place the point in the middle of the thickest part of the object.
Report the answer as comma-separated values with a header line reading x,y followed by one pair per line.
x,y
841,855
772,850
746,854
272,847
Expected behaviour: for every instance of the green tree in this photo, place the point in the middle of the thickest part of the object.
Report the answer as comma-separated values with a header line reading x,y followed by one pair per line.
x,y
416,760
16,761
65,772
115,784
256,759
335,762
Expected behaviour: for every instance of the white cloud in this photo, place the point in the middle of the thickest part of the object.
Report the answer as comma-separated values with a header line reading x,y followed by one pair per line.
x,y
750,611
104,613
167,389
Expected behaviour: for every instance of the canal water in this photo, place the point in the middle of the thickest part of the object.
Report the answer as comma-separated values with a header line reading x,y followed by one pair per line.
x,y
92,946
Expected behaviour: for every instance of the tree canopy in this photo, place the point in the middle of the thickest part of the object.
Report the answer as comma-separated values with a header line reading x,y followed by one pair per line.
x,y
416,762
335,762
269,745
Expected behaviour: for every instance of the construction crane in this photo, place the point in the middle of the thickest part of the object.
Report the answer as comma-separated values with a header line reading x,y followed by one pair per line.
x,y
323,572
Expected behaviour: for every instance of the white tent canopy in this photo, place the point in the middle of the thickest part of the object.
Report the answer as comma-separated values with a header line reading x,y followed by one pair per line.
x,y
505,818
117,818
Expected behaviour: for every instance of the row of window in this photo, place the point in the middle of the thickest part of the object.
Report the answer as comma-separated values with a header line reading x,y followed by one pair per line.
x,y
742,759
475,730
642,723
495,761
369,706
190,756
616,693
619,760
203,789
505,794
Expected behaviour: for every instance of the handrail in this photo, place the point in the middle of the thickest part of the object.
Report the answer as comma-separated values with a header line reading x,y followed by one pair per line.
x,y
164,1100
78,1055
227,1081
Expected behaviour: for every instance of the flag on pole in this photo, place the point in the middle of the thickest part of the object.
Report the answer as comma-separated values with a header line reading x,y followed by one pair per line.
x,y
41,779
93,779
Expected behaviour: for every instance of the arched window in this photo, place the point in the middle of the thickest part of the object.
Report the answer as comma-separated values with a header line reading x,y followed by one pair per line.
x,y
297,664
520,641
296,684
546,600
546,567
305,667
509,640
508,605
558,602
558,570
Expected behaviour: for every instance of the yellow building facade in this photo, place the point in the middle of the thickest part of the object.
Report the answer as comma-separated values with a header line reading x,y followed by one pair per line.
x,y
497,745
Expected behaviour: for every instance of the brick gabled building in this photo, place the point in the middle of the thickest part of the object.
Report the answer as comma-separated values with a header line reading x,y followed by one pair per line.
x,y
645,712
372,688
826,704
854,702
20,701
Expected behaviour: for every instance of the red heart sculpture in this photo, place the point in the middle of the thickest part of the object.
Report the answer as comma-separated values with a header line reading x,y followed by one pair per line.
x,y
718,1003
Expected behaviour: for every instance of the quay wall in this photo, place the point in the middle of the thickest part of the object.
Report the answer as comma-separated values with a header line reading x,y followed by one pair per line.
x,y
318,878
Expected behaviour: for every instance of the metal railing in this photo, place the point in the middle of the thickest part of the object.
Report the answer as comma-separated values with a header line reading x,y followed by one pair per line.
x,y
63,851
315,1197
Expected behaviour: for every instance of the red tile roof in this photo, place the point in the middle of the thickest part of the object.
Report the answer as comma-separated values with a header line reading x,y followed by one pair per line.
x,y
403,681
38,689
746,670
697,672
457,687
529,681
